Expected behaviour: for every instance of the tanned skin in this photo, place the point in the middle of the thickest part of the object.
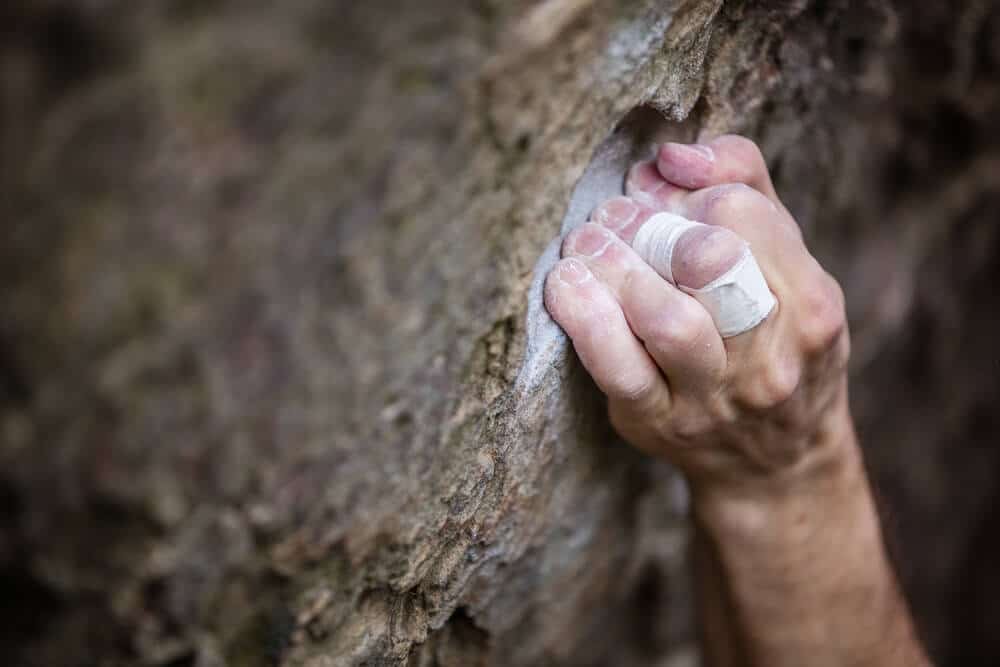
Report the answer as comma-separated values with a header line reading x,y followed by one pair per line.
x,y
790,562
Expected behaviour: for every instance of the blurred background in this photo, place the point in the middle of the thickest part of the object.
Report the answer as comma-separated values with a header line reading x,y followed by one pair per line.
x,y
263,270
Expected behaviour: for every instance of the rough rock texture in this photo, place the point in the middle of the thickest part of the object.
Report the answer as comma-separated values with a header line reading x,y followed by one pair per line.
x,y
264,295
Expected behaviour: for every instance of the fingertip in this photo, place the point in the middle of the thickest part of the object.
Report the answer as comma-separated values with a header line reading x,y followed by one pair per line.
x,y
564,287
568,272
616,213
622,215
738,149
643,180
646,185
742,161
687,165
593,319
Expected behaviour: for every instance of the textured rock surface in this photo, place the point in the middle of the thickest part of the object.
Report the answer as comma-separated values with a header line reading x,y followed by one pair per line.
x,y
263,304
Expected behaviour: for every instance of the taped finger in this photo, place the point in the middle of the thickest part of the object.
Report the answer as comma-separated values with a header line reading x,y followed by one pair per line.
x,y
714,266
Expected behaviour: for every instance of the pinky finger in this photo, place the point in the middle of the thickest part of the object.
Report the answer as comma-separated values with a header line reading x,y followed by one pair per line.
x,y
617,361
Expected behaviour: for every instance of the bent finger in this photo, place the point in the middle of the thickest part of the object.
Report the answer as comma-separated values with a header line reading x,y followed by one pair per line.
x,y
772,234
590,315
711,264
676,331
726,159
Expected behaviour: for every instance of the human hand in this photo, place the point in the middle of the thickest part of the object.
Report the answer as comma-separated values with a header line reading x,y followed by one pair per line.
x,y
752,411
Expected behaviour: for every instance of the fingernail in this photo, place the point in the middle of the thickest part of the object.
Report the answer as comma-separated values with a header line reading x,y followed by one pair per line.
x,y
591,240
616,213
698,152
644,177
573,272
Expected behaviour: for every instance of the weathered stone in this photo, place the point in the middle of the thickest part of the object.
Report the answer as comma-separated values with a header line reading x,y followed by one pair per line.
x,y
268,394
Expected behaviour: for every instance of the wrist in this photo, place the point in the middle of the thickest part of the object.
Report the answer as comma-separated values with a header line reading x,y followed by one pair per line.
x,y
803,560
828,480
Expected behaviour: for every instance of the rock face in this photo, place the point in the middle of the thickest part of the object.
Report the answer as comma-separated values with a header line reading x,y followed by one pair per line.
x,y
275,387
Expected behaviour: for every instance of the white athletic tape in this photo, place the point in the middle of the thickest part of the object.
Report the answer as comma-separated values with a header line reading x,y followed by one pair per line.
x,y
656,239
738,300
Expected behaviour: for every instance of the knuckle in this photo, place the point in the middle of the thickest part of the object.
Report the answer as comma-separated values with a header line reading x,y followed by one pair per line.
x,y
740,141
841,351
732,201
630,389
683,327
744,150
688,425
821,319
772,386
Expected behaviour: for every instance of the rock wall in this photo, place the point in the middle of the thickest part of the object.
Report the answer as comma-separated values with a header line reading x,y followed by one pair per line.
x,y
267,390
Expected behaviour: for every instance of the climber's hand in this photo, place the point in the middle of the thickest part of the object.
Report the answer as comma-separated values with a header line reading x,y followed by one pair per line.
x,y
753,410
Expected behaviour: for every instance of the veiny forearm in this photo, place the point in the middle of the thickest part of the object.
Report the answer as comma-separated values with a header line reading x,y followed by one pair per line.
x,y
802,577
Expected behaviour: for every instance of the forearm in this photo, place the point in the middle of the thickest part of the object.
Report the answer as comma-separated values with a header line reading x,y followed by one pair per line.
x,y
802,571
717,634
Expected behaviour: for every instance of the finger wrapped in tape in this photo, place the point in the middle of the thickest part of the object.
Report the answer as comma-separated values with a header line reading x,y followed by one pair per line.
x,y
738,300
